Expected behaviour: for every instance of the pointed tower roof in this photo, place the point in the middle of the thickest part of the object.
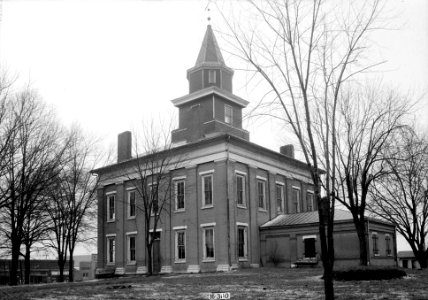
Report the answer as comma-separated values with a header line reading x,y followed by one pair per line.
x,y
210,51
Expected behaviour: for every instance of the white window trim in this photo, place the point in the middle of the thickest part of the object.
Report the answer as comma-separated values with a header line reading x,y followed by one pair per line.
x,y
241,224
128,213
132,233
157,230
177,230
245,226
297,188
176,181
206,172
204,228
110,237
312,236
263,180
241,173
212,71
313,199
226,107
203,206
208,224
183,227
390,244
374,233
109,195
128,246
282,185
244,187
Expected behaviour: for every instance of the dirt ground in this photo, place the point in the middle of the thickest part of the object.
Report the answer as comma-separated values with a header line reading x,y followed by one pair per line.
x,y
261,283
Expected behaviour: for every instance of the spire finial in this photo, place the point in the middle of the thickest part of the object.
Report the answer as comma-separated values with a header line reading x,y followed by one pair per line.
x,y
207,8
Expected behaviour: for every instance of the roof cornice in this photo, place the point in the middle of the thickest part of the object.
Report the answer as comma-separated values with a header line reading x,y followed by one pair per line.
x,y
210,91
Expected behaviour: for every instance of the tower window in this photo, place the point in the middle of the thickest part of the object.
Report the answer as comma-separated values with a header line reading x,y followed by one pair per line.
x,y
228,114
211,76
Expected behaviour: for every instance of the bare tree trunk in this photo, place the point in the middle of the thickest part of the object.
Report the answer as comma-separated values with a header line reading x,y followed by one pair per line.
x,y
71,267
61,264
422,258
27,264
149,257
362,237
13,274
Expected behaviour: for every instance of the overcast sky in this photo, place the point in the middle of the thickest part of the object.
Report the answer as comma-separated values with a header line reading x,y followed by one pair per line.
x,y
109,64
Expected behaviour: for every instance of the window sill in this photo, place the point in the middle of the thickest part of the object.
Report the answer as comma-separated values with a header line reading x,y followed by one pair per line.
x,y
376,254
242,259
131,217
180,261
242,206
110,263
206,207
208,260
131,263
179,210
262,210
111,221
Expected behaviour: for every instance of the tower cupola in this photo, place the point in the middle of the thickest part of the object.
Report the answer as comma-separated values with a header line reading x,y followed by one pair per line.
x,y
210,69
210,108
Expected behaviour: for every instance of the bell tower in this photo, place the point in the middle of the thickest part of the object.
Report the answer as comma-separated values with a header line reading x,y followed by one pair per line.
x,y
210,108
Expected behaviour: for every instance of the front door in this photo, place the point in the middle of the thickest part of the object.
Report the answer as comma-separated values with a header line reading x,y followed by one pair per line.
x,y
156,256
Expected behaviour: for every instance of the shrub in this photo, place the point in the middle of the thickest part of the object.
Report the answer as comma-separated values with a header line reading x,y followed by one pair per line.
x,y
274,255
368,274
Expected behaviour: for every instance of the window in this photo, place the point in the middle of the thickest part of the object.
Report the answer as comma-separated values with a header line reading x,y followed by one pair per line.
x,y
309,247
228,114
207,191
131,204
279,198
212,76
110,207
179,195
180,246
388,245
240,190
296,199
208,240
261,192
242,242
131,247
375,246
111,247
310,201
154,198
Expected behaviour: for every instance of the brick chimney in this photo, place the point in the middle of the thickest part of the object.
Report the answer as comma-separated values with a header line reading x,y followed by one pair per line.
x,y
124,146
287,150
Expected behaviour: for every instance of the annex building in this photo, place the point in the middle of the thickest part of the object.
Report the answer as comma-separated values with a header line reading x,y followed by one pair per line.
x,y
233,204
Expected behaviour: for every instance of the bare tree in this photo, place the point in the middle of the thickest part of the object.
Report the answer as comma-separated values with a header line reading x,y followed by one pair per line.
x,y
151,177
304,51
72,205
400,195
33,160
368,118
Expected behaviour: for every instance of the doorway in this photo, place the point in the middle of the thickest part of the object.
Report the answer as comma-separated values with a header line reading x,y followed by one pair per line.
x,y
156,255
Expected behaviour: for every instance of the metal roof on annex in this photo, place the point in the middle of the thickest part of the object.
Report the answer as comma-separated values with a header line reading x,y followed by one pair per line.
x,y
311,217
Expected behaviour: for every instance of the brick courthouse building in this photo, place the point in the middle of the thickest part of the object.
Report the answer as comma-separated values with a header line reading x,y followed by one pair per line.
x,y
235,204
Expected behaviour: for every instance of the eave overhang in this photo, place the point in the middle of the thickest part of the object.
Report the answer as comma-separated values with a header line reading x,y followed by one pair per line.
x,y
213,90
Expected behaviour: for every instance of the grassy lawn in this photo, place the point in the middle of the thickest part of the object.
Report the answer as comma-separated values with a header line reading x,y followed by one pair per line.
x,y
242,284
